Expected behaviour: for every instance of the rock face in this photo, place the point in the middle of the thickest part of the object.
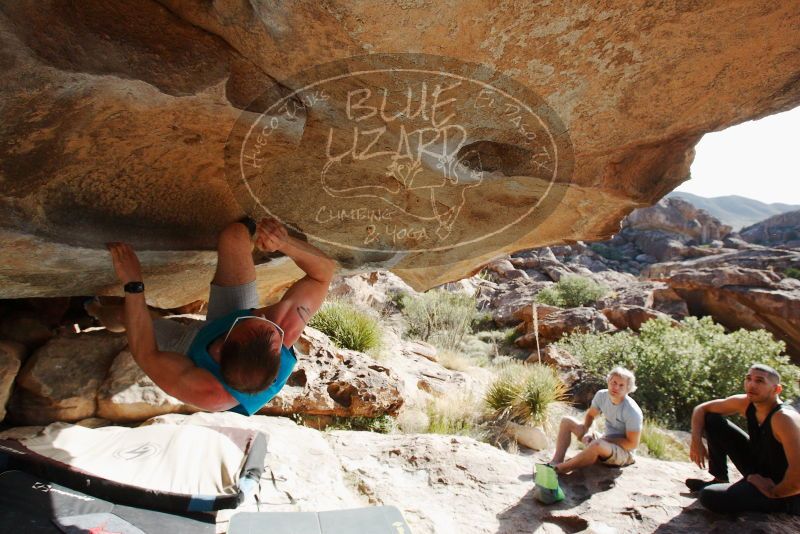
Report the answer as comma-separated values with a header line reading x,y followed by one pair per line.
x,y
631,317
74,377
59,382
742,290
127,394
11,357
764,259
782,229
560,323
676,216
336,382
116,119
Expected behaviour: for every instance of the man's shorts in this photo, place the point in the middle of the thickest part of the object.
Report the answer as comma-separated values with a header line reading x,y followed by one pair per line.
x,y
619,456
172,336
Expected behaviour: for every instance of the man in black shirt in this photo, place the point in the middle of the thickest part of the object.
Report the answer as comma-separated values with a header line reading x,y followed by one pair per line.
x,y
768,455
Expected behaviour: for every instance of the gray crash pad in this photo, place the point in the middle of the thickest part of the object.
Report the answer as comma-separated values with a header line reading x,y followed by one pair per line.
x,y
371,520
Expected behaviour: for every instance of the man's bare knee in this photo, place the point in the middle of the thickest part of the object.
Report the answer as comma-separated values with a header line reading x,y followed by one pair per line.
x,y
569,422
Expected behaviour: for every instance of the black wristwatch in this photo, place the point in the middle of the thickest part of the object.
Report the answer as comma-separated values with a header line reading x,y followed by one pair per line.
x,y
134,287
250,223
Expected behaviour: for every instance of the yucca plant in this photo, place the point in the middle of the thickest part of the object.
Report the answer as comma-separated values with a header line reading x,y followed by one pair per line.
x,y
523,393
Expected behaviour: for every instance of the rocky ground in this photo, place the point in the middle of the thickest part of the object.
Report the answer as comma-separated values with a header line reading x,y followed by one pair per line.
x,y
448,484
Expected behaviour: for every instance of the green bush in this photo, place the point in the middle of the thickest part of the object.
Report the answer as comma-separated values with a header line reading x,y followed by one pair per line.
x,y
661,444
792,272
572,291
523,393
439,317
679,367
347,326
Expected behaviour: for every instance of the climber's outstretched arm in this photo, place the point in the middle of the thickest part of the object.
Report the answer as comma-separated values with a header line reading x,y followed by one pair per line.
x,y
175,373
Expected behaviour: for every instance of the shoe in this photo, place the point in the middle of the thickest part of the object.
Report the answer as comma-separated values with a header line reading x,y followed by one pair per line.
x,y
695,484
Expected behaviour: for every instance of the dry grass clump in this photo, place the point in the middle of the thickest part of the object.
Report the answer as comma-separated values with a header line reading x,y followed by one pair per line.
x,y
347,326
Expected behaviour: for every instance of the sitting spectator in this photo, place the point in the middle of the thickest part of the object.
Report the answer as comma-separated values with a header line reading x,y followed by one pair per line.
x,y
768,455
623,427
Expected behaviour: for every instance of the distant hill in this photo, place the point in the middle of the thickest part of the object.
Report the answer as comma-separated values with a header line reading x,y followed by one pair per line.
x,y
734,210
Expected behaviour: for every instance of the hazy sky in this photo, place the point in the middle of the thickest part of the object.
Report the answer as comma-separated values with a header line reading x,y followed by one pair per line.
x,y
756,159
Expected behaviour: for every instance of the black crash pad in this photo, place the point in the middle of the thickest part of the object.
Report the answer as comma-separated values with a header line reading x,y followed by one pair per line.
x,y
34,505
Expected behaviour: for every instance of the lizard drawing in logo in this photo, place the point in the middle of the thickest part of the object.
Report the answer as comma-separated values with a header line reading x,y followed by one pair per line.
x,y
423,173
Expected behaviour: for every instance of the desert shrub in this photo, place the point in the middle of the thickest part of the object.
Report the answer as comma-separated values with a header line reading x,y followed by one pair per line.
x,y
383,424
347,326
476,351
454,414
572,291
453,360
439,317
679,367
792,272
661,444
523,393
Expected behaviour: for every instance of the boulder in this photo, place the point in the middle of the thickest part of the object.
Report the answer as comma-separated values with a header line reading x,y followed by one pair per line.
x,y
723,276
59,382
506,300
128,394
27,328
524,314
763,259
332,381
662,246
12,354
371,290
735,241
420,348
677,216
647,294
633,317
582,386
782,229
613,279
551,266
528,436
525,262
555,357
559,323
666,300
421,378
501,266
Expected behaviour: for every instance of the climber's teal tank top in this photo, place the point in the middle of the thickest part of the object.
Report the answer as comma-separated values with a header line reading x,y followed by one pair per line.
x,y
249,403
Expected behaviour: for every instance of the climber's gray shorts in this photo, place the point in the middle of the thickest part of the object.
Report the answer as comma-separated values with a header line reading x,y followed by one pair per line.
x,y
173,336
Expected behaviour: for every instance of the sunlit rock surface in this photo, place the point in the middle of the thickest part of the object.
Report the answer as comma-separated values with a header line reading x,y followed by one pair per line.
x,y
115,118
